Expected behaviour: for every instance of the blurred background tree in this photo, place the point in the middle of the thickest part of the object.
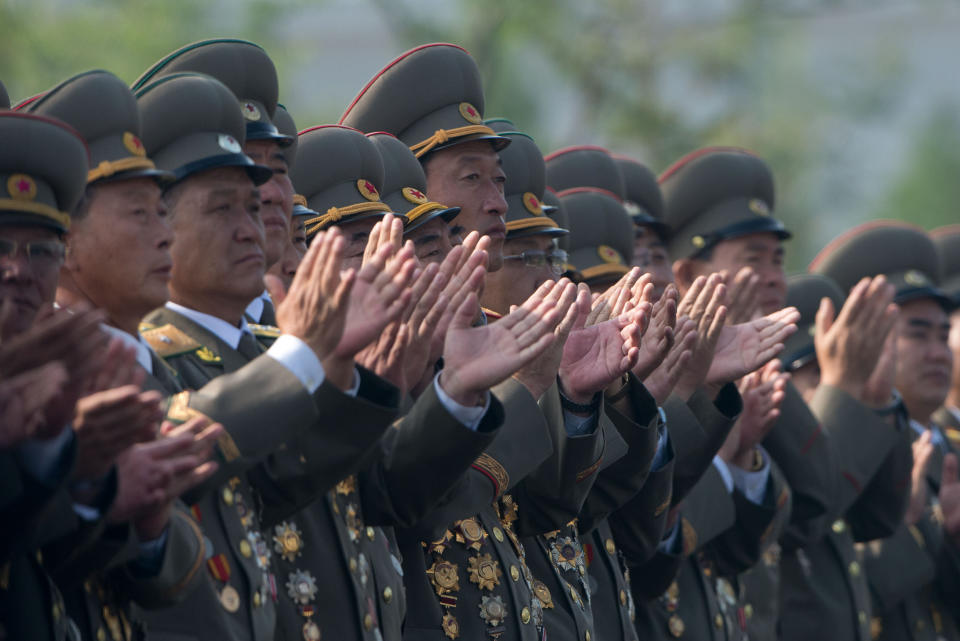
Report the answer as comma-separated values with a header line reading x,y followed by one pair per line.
x,y
845,98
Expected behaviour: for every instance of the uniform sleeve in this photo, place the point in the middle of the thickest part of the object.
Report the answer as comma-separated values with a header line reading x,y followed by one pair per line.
x,y
879,510
639,525
902,564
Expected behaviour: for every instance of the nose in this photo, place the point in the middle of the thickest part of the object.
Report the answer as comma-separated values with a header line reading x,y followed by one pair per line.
x,y
162,232
270,191
16,268
249,228
494,202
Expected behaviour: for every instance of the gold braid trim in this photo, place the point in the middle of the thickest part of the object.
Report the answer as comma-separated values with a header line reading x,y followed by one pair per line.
x,y
423,209
108,168
527,223
607,269
300,199
31,207
441,136
492,468
336,214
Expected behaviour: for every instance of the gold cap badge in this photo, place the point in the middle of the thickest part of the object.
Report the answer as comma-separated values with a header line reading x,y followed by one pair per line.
x,y
250,111
229,143
414,195
133,144
916,278
609,255
21,187
532,203
698,242
368,190
470,113
759,207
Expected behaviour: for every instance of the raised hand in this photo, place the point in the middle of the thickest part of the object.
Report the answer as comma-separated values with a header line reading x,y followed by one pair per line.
x,y
743,295
152,475
315,308
763,392
465,270
661,381
477,358
615,298
878,390
109,422
746,347
923,449
659,338
950,498
849,344
596,356
703,304
23,400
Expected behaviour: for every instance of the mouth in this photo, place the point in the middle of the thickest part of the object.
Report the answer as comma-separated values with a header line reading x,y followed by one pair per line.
x,y
164,270
252,258
497,231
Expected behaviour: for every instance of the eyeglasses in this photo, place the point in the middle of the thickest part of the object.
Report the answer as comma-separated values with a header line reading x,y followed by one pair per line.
x,y
42,254
556,259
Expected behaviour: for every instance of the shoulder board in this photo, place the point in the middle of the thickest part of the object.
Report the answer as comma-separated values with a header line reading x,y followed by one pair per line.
x,y
953,435
268,331
169,341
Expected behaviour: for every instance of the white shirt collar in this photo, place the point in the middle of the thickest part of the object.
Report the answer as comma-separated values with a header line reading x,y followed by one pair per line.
x,y
226,332
936,437
136,342
255,308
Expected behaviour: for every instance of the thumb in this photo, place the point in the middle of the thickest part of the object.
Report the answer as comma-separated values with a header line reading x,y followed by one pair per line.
x,y
949,475
275,288
463,317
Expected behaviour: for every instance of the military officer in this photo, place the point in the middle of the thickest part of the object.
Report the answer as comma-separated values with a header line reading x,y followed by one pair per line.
x,y
912,573
214,201
947,239
826,592
247,70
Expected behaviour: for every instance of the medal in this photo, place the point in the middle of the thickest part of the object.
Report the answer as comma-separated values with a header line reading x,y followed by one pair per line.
x,y
444,576
347,485
492,610
676,626
287,541
471,534
566,553
450,626
485,572
509,510
311,631
353,523
230,599
542,592
302,587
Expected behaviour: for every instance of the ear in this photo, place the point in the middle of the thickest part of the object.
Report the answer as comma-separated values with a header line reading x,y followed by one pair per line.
x,y
69,261
684,273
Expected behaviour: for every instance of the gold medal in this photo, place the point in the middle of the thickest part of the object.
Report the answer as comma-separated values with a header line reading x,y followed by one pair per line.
x,y
347,485
471,534
444,576
509,510
676,625
287,541
543,593
451,627
230,599
485,572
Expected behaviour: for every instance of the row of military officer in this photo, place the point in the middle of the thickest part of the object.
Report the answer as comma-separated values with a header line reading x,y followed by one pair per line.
x,y
404,377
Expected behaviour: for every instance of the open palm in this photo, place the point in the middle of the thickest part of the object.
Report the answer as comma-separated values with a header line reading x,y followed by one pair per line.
x,y
743,348
596,356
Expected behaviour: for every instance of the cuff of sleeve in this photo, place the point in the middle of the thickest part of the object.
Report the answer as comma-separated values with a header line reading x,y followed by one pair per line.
x,y
150,559
724,471
296,356
664,452
752,484
469,416
579,425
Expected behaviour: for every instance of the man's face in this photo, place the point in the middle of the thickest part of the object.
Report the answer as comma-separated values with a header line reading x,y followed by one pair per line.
x,y
276,196
432,241
356,234
28,282
219,253
764,253
286,267
924,360
650,254
513,283
119,252
469,176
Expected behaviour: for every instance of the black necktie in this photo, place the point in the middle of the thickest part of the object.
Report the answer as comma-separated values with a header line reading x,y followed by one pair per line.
x,y
249,348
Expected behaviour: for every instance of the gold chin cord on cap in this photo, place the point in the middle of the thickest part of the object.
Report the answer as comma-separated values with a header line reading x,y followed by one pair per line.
x,y
335,214
36,208
108,168
441,136
425,208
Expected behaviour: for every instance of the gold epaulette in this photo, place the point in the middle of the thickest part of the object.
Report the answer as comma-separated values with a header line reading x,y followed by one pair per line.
x,y
954,435
267,331
169,341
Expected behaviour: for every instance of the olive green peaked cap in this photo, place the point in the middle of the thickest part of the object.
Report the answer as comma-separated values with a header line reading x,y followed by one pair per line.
x,y
904,253
300,207
805,291
287,127
717,193
523,164
431,97
584,166
405,185
4,97
103,109
554,208
947,240
340,173
601,234
641,195
191,123
43,170
244,67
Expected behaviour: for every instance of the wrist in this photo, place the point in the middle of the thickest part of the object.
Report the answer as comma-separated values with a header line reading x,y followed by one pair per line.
x,y
574,395
339,371
576,407
467,398
750,460
151,526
